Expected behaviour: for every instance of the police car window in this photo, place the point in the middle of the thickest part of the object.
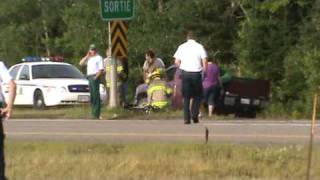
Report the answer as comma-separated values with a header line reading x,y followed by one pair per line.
x,y
14,71
24,74
55,71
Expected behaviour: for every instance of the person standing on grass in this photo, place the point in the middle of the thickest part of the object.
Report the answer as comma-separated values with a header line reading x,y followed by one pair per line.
x,y
94,63
211,84
6,110
123,78
191,58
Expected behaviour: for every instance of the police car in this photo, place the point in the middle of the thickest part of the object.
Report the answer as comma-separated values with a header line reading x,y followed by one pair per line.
x,y
42,83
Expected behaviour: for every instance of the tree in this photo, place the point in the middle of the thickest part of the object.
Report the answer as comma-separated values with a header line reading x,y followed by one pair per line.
x,y
29,27
84,26
265,40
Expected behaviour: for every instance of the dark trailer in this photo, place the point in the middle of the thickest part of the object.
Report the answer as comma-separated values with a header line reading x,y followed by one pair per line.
x,y
244,97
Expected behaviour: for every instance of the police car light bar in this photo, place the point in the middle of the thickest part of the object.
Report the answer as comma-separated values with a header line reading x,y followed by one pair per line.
x,y
31,59
39,59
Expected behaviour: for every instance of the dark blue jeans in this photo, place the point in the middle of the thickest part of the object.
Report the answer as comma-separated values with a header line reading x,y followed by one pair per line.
x,y
191,89
124,92
210,95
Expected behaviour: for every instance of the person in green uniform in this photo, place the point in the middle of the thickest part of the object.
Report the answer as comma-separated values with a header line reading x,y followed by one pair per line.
x,y
94,63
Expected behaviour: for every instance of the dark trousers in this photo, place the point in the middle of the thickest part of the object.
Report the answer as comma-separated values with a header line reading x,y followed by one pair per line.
x,y
123,93
2,160
191,89
94,86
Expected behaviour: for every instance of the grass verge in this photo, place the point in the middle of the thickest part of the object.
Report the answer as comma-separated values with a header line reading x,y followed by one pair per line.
x,y
75,161
84,112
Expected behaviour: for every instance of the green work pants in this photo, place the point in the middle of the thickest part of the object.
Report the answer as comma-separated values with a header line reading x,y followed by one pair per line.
x,y
95,97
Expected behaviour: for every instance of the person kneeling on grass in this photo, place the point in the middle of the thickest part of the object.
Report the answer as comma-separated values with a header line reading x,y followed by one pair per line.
x,y
158,91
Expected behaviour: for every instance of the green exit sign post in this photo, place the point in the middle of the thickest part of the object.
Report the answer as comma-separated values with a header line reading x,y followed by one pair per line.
x,y
117,9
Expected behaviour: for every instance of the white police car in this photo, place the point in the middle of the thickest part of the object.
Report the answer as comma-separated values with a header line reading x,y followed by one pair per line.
x,y
46,83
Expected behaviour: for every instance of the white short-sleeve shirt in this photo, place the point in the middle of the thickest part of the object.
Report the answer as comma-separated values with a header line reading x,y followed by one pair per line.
x,y
191,54
4,77
4,73
94,64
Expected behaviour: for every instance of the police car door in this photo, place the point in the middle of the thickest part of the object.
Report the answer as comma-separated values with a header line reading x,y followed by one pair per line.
x,y
24,87
14,71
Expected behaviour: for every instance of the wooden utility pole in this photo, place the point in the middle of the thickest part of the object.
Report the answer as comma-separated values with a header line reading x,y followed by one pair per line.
x,y
313,122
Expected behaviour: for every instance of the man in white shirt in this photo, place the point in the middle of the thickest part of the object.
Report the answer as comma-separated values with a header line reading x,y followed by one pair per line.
x,y
94,63
191,58
6,110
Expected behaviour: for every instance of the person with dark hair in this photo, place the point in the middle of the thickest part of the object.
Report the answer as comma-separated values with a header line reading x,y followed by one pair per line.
x,y
94,63
6,110
150,64
191,58
211,84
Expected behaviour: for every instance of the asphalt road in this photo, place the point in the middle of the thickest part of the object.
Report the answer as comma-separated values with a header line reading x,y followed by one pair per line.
x,y
120,131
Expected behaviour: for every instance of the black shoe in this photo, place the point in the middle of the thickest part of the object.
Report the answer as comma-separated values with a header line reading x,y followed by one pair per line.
x,y
195,121
187,122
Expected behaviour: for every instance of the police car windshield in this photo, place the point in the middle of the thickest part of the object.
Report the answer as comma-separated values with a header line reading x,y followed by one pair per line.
x,y
55,71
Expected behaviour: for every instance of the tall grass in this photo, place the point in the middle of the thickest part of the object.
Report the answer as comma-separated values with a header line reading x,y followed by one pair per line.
x,y
75,161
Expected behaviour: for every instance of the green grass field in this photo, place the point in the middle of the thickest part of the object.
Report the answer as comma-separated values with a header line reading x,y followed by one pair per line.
x,y
84,112
71,112
75,161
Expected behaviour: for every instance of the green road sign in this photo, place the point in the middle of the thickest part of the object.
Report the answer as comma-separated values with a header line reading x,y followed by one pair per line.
x,y
117,9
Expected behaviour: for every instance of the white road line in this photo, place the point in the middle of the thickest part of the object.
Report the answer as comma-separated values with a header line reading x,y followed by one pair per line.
x,y
260,124
105,134
205,123
274,136
57,120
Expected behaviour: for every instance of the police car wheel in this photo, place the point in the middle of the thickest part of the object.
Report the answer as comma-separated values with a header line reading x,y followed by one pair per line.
x,y
38,100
